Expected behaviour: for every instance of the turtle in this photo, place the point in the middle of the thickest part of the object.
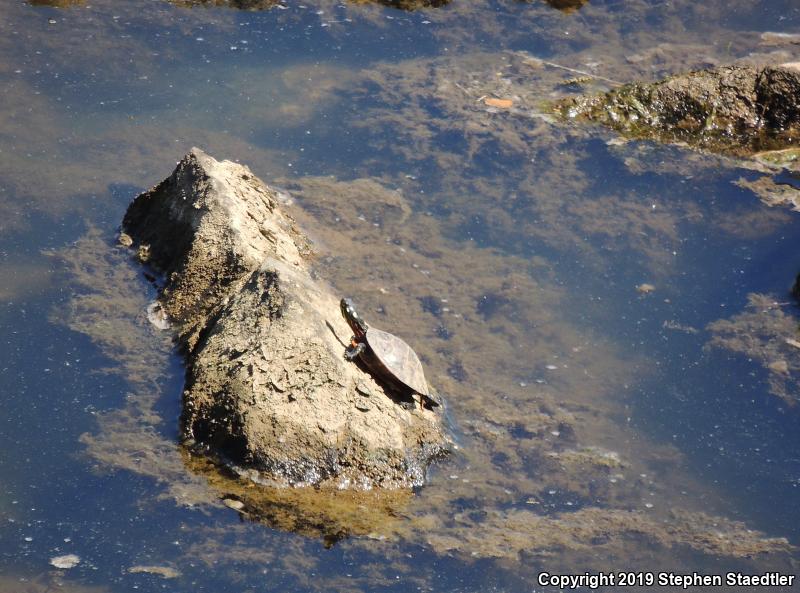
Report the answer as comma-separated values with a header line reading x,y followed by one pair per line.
x,y
386,356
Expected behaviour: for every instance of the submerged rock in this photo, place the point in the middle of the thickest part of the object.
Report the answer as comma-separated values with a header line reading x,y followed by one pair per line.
x,y
166,572
267,4
239,4
413,4
268,389
567,5
57,3
733,109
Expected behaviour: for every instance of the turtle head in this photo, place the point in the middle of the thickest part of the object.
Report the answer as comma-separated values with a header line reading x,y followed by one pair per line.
x,y
352,318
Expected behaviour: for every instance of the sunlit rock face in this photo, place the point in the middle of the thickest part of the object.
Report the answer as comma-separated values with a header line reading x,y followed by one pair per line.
x,y
268,389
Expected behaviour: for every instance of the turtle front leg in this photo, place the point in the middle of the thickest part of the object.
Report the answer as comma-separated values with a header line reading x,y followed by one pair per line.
x,y
355,349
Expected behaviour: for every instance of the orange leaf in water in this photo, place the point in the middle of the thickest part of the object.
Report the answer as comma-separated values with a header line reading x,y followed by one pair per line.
x,y
501,103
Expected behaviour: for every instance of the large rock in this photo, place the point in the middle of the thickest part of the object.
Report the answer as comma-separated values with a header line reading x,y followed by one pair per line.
x,y
732,109
267,387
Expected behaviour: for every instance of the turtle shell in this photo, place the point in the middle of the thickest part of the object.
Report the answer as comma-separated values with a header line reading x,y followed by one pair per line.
x,y
400,360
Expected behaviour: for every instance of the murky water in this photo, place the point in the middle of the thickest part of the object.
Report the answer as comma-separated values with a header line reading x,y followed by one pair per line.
x,y
611,323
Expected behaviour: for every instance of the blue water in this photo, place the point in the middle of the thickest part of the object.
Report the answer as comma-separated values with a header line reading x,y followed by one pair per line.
x,y
99,104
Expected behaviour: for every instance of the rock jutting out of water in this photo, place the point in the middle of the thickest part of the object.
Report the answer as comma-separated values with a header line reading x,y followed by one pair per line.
x,y
268,389
739,110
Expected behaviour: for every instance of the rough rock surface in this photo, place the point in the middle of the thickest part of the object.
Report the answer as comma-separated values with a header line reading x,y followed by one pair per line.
x,y
732,109
267,386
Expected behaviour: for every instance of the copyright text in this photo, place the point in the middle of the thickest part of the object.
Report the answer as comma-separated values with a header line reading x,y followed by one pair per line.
x,y
595,580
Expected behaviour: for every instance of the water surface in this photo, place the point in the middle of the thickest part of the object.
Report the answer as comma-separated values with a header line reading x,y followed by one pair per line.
x,y
603,424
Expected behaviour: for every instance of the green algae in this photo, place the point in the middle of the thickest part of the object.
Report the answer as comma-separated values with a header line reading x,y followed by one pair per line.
x,y
57,3
787,158
765,332
321,513
409,5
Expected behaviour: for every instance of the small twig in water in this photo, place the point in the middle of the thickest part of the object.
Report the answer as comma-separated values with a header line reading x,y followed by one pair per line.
x,y
573,70
466,92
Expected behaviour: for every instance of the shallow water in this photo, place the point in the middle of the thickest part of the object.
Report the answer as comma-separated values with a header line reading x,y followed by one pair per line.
x,y
603,424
